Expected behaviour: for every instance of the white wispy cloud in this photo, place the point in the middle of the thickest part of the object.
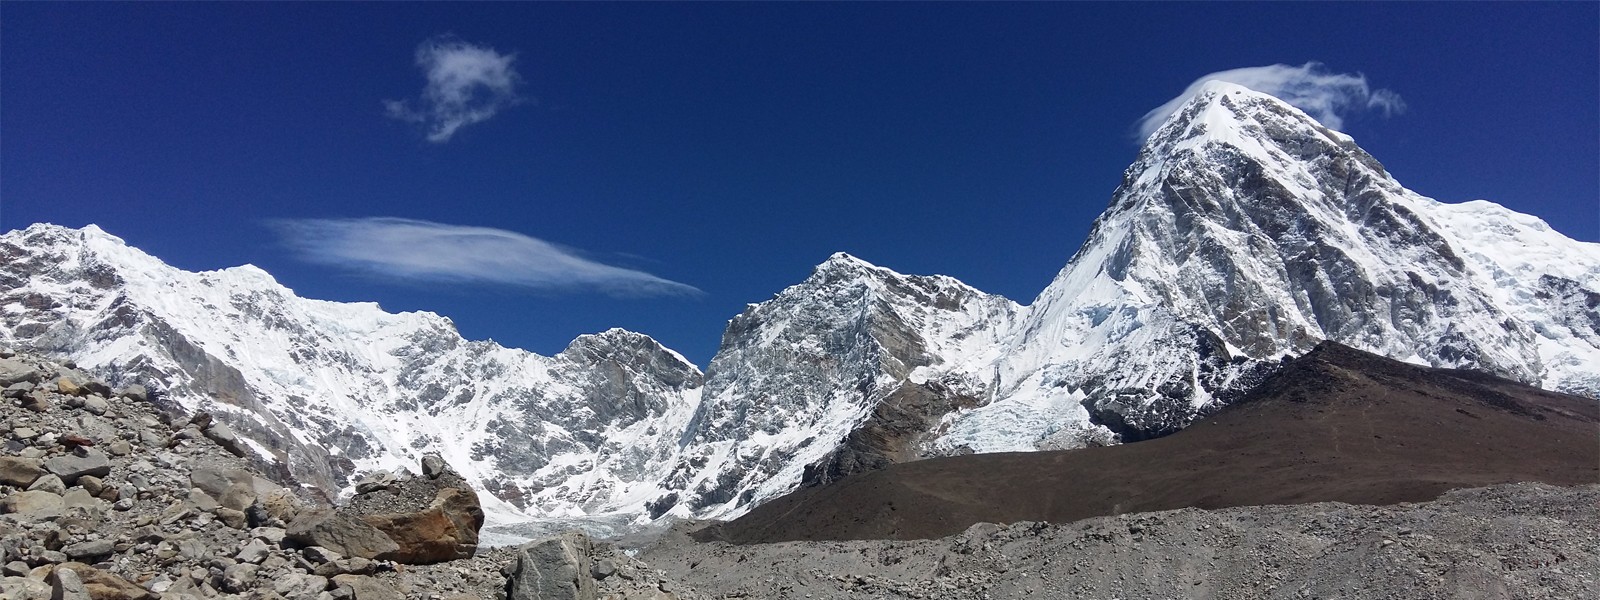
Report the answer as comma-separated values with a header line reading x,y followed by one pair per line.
x,y
424,251
1325,96
466,84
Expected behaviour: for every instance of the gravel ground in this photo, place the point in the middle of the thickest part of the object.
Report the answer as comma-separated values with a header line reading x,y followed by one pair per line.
x,y
1507,541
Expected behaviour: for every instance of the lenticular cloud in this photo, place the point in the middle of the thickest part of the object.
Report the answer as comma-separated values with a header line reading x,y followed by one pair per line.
x,y
409,249
1326,96
466,84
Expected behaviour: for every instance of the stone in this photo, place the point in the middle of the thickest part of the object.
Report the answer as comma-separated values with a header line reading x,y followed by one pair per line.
x,y
68,387
555,568
319,555
102,585
433,466
300,585
446,530
201,420
37,402
232,518
66,585
25,588
19,389
34,505
19,472
202,501
280,505
24,433
136,392
253,552
15,568
238,578
233,488
374,481
15,371
223,435
94,485
48,483
89,550
367,588
604,568
96,405
342,533
82,461
119,448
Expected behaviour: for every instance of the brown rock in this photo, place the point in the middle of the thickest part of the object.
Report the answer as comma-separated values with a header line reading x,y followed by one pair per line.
x,y
69,387
446,530
19,472
106,586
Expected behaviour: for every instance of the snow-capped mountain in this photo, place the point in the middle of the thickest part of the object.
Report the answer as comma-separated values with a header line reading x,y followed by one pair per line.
x,y
1244,233
323,390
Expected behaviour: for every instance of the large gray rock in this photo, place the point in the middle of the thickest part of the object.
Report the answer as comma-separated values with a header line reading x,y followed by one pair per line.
x,y
340,532
82,461
556,568
66,585
14,371
233,488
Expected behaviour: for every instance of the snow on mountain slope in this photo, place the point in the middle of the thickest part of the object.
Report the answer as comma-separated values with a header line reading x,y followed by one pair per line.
x,y
1246,232
325,389
798,375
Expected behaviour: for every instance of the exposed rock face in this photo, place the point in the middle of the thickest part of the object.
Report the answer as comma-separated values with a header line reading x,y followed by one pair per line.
x,y
554,569
796,374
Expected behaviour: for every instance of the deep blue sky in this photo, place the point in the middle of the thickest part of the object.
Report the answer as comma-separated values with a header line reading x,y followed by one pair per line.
x,y
732,147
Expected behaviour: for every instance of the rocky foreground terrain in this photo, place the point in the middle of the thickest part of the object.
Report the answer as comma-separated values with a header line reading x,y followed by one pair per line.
x,y
104,497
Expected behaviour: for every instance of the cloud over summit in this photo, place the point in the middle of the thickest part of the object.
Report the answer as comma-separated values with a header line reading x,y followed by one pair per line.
x,y
1328,97
467,84
424,251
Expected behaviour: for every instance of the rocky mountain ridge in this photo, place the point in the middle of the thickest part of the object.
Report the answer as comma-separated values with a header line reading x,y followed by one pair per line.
x,y
1244,233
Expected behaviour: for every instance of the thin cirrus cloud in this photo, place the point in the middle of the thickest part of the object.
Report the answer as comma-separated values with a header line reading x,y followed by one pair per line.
x,y
424,251
1326,96
467,84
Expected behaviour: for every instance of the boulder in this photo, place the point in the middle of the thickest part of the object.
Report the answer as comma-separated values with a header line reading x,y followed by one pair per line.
x,y
82,461
135,392
66,585
366,588
48,483
16,371
223,435
446,530
23,588
35,504
432,466
89,550
340,532
16,471
232,488
102,585
68,387
556,568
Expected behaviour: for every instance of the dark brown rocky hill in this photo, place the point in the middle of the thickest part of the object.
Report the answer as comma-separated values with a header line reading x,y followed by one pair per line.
x,y
1336,424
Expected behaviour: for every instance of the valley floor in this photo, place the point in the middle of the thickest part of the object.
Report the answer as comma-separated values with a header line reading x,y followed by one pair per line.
x,y
1524,540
